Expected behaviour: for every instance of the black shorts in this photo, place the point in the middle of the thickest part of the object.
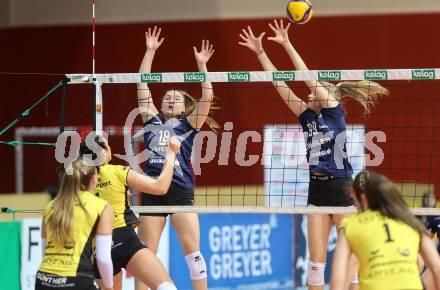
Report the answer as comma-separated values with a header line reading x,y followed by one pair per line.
x,y
126,244
331,192
45,281
176,195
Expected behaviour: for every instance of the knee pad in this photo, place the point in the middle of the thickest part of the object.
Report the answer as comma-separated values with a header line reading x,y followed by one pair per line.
x,y
355,279
196,265
315,275
166,286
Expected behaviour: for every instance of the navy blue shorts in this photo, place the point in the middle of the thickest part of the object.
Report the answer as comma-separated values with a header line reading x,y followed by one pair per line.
x,y
176,195
331,192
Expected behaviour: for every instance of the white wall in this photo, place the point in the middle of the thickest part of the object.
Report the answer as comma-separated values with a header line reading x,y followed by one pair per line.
x,y
56,12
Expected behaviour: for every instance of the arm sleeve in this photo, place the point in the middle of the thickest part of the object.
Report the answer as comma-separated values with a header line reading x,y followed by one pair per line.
x,y
104,259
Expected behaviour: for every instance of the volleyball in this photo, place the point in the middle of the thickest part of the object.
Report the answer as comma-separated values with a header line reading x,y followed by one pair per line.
x,y
299,11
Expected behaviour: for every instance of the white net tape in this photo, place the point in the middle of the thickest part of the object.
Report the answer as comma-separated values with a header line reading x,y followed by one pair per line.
x,y
266,210
258,76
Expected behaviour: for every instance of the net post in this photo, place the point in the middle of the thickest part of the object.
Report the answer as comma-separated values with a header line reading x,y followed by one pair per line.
x,y
63,104
94,104
19,176
60,167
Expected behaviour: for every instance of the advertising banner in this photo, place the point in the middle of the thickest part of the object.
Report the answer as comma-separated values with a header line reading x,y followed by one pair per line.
x,y
30,251
246,251
10,253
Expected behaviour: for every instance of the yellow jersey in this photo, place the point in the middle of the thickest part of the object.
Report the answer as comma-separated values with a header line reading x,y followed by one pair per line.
x,y
74,259
112,187
387,250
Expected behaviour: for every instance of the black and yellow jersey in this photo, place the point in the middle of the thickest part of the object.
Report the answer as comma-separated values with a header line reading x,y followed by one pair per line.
x,y
387,250
74,259
112,187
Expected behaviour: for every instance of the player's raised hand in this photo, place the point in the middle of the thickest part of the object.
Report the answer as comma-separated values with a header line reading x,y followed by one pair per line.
x,y
205,53
281,32
250,41
152,38
174,144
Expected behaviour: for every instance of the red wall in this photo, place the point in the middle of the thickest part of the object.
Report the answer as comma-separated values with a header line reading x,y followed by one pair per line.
x,y
409,116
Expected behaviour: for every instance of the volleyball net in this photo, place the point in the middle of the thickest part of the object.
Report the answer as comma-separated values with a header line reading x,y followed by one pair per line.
x,y
256,162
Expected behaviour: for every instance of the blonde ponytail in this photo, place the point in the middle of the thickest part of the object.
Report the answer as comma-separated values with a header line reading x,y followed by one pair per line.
x,y
190,106
366,93
61,219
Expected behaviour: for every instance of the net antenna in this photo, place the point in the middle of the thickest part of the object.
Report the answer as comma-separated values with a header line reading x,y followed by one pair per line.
x,y
93,35
96,88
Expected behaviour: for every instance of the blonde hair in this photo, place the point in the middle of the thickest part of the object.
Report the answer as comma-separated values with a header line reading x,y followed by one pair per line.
x,y
365,93
61,219
190,106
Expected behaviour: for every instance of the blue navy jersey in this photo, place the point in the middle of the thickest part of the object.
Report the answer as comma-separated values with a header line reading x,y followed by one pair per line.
x,y
433,225
157,133
325,136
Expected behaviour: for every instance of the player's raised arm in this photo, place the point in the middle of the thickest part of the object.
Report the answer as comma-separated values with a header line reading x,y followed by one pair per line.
x,y
159,185
255,44
144,94
281,36
198,117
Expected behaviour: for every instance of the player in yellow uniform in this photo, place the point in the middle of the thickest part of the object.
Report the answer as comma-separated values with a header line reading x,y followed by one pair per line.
x,y
73,223
385,237
128,251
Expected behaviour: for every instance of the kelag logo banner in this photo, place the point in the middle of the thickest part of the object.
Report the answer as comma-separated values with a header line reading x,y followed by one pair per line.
x,y
252,251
